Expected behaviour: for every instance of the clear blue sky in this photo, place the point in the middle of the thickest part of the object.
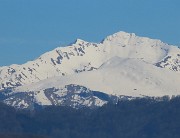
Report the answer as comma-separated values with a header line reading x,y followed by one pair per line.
x,y
29,28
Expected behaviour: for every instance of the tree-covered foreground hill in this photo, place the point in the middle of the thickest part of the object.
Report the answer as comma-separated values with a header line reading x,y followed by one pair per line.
x,y
139,118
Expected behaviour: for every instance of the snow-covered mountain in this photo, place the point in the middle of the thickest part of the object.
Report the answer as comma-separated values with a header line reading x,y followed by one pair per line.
x,y
122,64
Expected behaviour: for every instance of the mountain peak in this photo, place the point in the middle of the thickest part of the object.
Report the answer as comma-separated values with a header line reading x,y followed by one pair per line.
x,y
120,36
79,41
122,33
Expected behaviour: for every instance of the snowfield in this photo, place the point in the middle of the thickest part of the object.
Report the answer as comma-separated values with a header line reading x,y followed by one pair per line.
x,y
119,76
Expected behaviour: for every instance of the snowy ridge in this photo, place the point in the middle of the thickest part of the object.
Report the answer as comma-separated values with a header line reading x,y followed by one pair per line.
x,y
171,62
54,63
75,96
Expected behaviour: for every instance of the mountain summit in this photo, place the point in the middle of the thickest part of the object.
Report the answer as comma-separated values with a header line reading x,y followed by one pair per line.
x,y
122,64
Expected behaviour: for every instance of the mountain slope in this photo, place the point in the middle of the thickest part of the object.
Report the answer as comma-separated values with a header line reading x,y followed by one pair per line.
x,y
75,96
119,76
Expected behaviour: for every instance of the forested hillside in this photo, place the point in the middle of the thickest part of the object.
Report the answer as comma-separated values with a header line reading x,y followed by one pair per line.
x,y
139,118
